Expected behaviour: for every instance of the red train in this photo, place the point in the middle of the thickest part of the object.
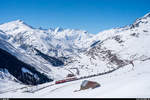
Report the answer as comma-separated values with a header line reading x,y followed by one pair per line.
x,y
65,80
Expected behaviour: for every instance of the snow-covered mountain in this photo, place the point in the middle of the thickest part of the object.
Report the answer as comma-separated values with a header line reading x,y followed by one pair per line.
x,y
54,42
116,48
42,48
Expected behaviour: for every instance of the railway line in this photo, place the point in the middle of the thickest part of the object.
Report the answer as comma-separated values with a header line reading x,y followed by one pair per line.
x,y
75,79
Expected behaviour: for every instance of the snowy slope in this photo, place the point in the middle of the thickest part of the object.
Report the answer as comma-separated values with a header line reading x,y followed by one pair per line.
x,y
15,64
126,82
115,48
21,56
130,42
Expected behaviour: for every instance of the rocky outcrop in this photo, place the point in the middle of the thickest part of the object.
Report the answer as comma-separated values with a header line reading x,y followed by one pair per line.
x,y
89,84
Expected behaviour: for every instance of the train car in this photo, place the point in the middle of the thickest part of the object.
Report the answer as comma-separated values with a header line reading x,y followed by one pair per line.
x,y
66,80
60,81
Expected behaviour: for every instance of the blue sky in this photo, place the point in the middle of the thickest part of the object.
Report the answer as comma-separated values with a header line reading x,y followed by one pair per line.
x,y
91,15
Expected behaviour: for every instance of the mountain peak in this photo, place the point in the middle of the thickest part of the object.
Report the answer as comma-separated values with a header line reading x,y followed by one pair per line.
x,y
59,29
18,21
143,20
15,27
147,15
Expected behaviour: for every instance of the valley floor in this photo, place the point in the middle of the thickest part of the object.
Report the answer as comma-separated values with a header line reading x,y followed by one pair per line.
x,y
126,82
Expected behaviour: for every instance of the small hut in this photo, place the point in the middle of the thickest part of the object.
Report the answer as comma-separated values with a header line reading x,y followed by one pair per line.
x,y
89,84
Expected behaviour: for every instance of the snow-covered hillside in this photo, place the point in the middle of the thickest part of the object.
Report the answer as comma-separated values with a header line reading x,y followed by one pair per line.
x,y
123,83
20,66
116,47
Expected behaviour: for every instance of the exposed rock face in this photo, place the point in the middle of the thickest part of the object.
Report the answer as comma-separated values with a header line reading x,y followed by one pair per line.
x,y
106,55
